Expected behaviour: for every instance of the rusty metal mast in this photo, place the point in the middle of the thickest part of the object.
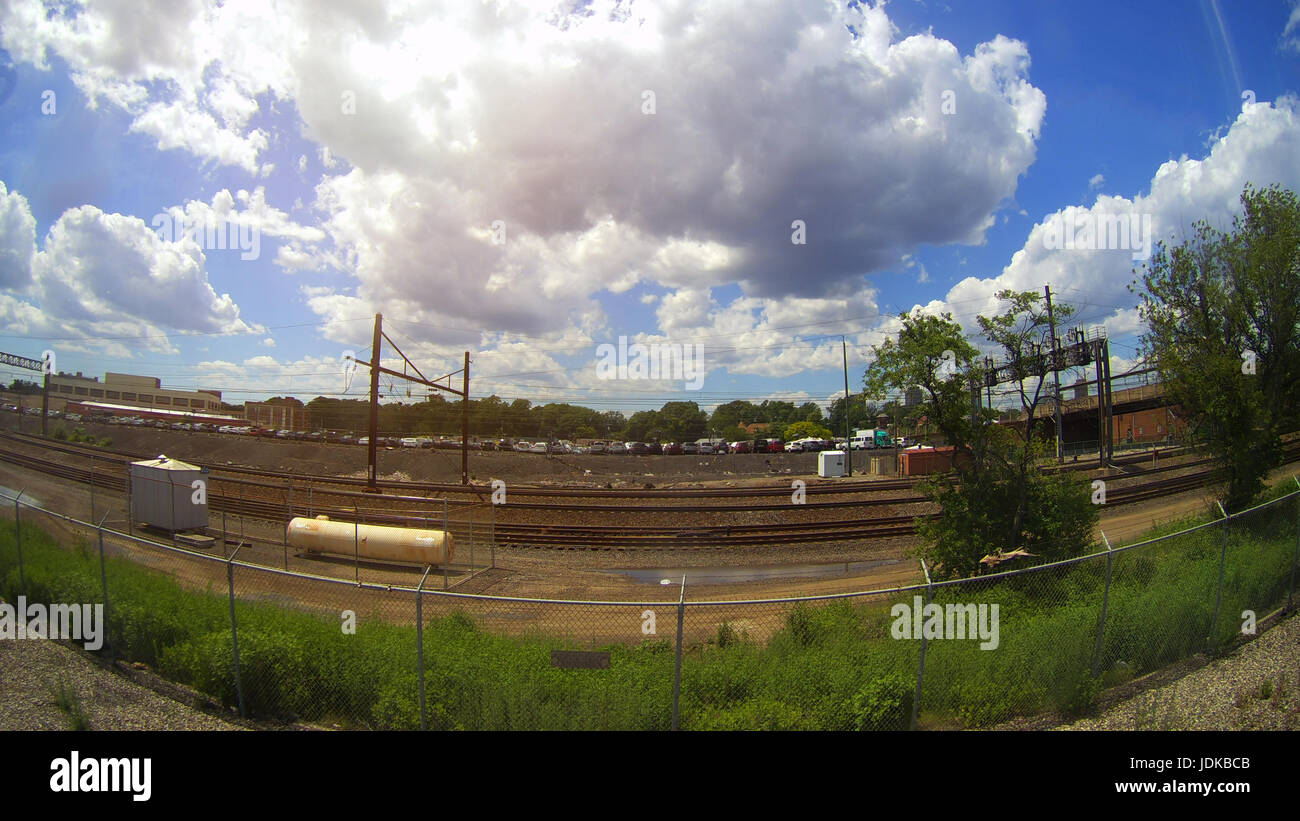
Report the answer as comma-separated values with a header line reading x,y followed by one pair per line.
x,y
376,369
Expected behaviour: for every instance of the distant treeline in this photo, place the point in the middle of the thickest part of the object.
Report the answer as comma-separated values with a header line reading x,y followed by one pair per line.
x,y
493,417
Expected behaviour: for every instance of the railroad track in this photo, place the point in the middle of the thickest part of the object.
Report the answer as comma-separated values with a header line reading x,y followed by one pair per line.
x,y
483,492
583,537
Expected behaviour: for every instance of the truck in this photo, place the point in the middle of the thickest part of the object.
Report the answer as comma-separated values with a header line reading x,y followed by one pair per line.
x,y
870,438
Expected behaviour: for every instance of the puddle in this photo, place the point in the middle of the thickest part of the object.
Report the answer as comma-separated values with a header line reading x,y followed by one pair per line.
x,y
736,575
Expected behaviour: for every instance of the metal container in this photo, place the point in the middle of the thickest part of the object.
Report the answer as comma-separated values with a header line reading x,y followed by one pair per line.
x,y
830,464
169,494
389,544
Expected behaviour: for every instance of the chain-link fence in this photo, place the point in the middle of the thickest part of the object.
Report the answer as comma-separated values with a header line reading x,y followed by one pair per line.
x,y
389,648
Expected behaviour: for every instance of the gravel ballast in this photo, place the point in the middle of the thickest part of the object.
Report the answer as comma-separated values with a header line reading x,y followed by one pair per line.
x,y
32,673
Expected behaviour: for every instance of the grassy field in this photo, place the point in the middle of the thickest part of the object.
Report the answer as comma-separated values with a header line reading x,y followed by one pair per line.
x,y
832,666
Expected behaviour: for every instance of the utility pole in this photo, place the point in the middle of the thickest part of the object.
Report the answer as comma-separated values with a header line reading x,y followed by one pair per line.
x,y
1110,403
376,369
371,449
1099,349
1056,376
848,438
464,426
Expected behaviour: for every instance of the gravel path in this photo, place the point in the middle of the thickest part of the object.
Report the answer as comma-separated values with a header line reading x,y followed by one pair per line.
x,y
1256,687
32,673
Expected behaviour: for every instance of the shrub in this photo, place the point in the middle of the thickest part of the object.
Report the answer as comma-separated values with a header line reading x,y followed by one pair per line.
x,y
883,704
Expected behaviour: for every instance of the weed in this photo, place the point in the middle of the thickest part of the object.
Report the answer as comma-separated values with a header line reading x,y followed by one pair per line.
x,y
69,703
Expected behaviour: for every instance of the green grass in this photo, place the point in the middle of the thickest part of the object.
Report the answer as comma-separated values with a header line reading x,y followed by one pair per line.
x,y
831,666
69,703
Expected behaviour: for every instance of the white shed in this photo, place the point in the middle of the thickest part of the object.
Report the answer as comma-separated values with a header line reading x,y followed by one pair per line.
x,y
830,464
169,494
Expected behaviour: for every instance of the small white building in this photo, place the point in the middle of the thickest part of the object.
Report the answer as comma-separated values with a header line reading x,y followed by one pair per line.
x,y
830,464
169,494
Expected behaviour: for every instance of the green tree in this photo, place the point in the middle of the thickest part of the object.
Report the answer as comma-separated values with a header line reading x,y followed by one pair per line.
x,y
642,425
1023,332
995,498
733,413
1223,317
804,430
810,412
24,386
682,421
862,414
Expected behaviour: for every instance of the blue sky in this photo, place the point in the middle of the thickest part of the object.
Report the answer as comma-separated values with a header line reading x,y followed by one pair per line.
x,y
926,149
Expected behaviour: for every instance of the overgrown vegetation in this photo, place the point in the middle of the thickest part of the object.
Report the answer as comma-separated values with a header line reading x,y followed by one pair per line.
x,y
995,499
79,436
69,703
829,666
1223,328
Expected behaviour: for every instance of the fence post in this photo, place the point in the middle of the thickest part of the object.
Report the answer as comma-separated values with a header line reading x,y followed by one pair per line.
x,y
419,642
103,582
234,629
288,509
471,541
1218,595
920,667
492,534
356,541
92,487
1105,602
677,675
1296,560
18,536
446,560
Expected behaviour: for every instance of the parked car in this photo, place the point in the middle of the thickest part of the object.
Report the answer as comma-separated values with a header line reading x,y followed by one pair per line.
x,y
537,447
794,447
617,447
638,448
706,448
741,447
410,442
654,448
597,447
775,446
522,447
673,449
690,448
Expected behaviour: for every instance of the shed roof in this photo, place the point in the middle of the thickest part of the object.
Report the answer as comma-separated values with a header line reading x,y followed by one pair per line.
x,y
163,462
